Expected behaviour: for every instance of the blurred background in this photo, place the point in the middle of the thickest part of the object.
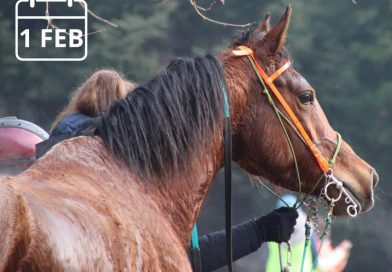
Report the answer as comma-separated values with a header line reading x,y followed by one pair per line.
x,y
343,49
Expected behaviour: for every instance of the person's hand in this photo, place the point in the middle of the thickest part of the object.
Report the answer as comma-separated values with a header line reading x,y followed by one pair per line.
x,y
333,259
278,225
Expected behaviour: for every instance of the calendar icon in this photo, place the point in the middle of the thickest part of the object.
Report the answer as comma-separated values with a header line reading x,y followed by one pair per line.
x,y
51,30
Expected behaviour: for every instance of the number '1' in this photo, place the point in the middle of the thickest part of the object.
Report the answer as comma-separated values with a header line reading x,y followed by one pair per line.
x,y
26,34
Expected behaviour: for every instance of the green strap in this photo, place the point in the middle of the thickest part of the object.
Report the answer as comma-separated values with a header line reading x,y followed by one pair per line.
x,y
195,237
338,146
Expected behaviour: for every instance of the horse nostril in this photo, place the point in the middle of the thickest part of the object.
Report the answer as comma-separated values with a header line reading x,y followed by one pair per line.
x,y
375,178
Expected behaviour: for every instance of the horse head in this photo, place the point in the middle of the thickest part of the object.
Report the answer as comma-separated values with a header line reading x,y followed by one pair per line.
x,y
259,143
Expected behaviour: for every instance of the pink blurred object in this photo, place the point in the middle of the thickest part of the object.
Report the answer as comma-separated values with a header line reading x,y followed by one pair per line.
x,y
17,144
334,259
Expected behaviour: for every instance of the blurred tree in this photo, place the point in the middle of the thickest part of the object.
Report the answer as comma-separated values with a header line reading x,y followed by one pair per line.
x,y
38,90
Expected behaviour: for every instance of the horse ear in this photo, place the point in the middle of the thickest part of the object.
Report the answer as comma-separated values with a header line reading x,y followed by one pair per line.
x,y
265,24
276,37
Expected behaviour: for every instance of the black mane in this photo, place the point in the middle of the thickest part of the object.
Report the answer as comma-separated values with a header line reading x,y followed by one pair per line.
x,y
157,126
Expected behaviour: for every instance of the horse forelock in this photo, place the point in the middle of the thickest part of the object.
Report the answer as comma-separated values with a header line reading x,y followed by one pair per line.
x,y
158,127
254,39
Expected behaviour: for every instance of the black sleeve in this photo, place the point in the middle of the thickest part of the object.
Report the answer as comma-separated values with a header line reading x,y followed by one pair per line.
x,y
213,245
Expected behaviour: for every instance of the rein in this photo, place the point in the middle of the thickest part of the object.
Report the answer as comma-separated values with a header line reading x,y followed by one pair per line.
x,y
228,191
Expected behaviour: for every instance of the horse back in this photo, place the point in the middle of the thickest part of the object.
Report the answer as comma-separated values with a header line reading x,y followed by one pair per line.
x,y
76,210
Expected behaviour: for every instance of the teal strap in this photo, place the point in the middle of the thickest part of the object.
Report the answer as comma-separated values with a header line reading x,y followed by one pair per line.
x,y
195,237
226,101
307,242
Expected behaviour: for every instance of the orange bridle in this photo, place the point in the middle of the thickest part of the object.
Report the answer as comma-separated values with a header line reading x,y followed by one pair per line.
x,y
269,81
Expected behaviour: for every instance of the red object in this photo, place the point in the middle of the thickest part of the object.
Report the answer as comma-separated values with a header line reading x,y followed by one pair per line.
x,y
17,143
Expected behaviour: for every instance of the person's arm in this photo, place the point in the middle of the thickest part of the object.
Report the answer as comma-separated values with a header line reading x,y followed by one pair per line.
x,y
69,125
213,245
65,129
247,237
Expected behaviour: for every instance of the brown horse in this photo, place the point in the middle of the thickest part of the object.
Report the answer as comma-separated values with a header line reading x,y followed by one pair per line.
x,y
126,199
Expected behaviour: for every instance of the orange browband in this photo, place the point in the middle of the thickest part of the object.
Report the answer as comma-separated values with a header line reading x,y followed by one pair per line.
x,y
246,51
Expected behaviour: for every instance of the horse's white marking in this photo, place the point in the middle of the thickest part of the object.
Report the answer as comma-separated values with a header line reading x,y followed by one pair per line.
x,y
70,241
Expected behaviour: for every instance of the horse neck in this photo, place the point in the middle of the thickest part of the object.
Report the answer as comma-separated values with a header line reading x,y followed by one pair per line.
x,y
182,199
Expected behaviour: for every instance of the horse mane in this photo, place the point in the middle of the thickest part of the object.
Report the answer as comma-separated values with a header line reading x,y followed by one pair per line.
x,y
158,126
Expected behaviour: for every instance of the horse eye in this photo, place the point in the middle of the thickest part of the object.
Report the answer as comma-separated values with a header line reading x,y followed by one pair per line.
x,y
306,98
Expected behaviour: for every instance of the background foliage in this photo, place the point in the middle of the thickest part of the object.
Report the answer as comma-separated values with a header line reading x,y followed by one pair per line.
x,y
344,50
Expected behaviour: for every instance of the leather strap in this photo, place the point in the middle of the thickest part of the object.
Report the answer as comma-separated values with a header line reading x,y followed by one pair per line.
x,y
228,193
